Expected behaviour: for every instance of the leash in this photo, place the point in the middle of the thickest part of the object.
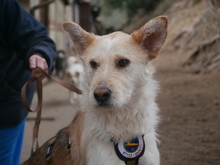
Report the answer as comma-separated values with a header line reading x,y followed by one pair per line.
x,y
38,75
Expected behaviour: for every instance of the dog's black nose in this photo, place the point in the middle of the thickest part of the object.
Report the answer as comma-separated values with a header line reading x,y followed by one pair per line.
x,y
102,94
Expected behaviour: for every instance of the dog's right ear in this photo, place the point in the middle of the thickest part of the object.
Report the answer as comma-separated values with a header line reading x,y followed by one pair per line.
x,y
81,39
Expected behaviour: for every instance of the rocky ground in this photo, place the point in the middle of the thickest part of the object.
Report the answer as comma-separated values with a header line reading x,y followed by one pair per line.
x,y
190,111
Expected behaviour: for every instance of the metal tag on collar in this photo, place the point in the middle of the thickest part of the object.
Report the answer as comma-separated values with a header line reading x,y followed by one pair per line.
x,y
69,143
49,151
130,150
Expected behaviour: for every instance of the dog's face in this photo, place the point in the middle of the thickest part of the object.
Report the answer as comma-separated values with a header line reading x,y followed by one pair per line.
x,y
115,64
110,63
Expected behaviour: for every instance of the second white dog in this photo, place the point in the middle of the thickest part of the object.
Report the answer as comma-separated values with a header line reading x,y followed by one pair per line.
x,y
74,75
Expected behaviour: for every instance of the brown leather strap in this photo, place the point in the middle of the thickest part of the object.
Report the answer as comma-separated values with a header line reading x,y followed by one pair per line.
x,y
38,76
133,162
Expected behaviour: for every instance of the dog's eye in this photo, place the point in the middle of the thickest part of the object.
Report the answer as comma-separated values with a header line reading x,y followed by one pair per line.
x,y
93,65
123,63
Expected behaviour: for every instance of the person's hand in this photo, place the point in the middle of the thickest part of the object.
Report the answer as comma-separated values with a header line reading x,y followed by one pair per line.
x,y
37,61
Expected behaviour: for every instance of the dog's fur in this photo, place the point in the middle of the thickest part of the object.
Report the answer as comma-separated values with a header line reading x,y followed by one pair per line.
x,y
117,64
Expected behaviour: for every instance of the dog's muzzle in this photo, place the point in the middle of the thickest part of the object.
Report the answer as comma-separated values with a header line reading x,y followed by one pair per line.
x,y
102,96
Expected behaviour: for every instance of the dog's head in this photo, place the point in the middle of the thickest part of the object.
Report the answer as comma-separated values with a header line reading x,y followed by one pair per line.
x,y
115,64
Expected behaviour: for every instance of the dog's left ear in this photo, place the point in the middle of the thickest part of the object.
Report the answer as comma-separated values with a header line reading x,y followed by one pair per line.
x,y
152,35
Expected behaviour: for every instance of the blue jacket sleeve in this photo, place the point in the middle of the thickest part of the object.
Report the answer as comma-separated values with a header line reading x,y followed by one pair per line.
x,y
26,35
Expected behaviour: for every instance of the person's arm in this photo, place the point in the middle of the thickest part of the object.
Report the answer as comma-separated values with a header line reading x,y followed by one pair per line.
x,y
27,36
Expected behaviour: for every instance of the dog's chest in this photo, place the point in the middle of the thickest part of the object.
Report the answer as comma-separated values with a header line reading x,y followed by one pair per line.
x,y
104,154
100,153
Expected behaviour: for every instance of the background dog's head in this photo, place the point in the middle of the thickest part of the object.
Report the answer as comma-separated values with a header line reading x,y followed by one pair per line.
x,y
115,64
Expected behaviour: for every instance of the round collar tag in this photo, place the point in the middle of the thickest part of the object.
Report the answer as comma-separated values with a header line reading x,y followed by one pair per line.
x,y
130,150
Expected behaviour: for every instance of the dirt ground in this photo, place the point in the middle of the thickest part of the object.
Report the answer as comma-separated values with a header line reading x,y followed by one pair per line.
x,y
190,111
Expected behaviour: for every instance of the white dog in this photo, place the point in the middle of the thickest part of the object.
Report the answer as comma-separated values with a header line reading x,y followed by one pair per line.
x,y
74,75
118,116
